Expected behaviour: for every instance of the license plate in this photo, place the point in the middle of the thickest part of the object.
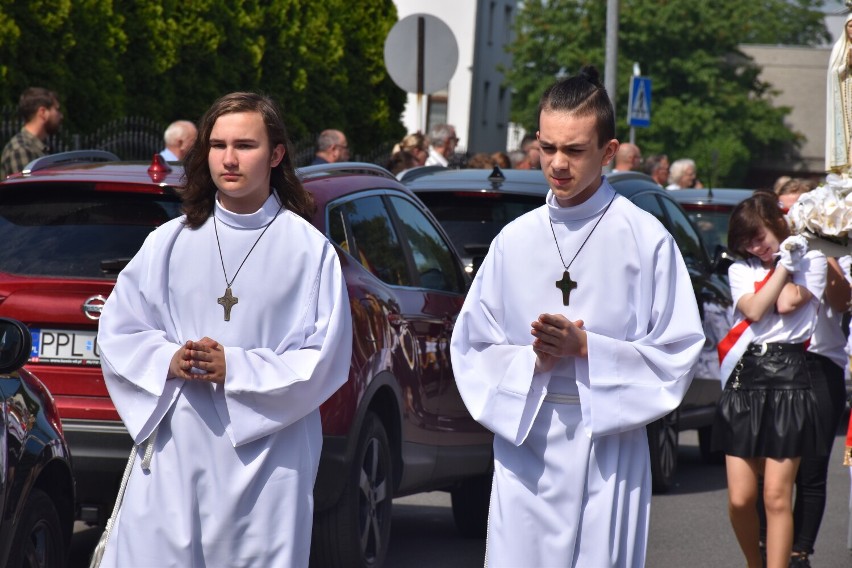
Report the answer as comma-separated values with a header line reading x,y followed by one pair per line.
x,y
65,346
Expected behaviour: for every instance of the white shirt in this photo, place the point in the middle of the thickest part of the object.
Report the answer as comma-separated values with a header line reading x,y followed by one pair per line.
x,y
795,327
169,156
436,158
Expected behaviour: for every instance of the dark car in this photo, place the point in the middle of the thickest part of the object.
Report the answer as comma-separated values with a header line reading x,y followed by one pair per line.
x,y
473,205
710,211
36,483
397,426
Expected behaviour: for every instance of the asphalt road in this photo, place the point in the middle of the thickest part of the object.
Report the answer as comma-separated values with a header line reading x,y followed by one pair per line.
x,y
689,525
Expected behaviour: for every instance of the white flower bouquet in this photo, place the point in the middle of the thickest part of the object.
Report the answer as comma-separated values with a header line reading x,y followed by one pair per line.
x,y
824,216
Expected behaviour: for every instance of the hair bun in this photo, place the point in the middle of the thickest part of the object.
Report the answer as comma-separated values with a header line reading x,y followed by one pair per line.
x,y
590,74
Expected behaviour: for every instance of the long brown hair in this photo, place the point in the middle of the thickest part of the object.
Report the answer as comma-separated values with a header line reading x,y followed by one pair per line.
x,y
750,216
199,190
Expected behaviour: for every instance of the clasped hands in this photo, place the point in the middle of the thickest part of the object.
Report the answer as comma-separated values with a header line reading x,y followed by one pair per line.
x,y
206,355
557,337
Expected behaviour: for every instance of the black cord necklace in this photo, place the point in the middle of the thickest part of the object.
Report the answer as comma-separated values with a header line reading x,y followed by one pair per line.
x,y
228,300
566,284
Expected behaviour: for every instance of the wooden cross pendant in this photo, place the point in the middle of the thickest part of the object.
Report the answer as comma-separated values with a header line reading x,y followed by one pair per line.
x,y
228,301
566,285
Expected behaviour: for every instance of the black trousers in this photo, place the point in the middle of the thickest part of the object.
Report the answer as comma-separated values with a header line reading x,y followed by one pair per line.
x,y
813,472
811,480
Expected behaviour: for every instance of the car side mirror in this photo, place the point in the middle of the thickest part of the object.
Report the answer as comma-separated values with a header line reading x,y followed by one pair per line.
x,y
722,260
15,345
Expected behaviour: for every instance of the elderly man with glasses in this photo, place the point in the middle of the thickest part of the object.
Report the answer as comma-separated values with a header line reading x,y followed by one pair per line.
x,y
331,147
443,141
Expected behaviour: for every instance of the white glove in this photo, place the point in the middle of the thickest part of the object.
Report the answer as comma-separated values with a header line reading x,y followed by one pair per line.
x,y
792,251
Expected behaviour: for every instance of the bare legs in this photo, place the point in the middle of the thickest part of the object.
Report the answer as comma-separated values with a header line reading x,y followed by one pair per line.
x,y
742,506
779,477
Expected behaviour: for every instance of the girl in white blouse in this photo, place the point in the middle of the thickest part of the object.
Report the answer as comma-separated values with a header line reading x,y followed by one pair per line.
x,y
766,419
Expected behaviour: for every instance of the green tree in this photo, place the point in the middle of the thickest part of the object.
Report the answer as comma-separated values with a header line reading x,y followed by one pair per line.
x,y
708,102
169,59
371,118
70,47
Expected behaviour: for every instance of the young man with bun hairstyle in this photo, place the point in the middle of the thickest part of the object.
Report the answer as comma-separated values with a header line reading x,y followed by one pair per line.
x,y
580,328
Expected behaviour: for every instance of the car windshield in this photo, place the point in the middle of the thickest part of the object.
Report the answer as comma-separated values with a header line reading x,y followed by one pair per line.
x,y
74,232
473,219
712,223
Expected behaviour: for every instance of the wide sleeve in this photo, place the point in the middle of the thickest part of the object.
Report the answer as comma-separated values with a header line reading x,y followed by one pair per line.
x,y
267,389
495,378
626,383
136,345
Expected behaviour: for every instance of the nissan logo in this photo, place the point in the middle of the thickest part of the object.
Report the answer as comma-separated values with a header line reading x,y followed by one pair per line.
x,y
93,307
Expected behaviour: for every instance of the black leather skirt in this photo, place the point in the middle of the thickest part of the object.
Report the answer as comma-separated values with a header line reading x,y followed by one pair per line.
x,y
768,408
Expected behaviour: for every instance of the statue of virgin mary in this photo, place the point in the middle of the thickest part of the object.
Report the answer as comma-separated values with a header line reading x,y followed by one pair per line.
x,y
838,124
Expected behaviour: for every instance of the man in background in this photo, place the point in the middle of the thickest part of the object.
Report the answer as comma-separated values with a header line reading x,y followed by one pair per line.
x,y
443,141
39,108
532,153
657,166
331,147
178,138
628,158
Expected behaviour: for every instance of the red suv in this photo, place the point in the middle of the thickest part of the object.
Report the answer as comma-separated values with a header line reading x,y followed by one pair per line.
x,y
70,222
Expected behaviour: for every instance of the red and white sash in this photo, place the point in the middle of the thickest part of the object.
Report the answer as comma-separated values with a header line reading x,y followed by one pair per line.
x,y
735,343
732,347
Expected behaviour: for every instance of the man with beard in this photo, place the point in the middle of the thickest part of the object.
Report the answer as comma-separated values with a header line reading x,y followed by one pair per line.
x,y
40,110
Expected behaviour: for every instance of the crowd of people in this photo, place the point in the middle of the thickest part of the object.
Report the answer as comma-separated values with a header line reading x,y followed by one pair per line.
x,y
40,110
438,148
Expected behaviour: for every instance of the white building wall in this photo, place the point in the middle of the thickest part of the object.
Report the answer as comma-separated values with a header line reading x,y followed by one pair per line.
x,y
799,75
481,119
489,117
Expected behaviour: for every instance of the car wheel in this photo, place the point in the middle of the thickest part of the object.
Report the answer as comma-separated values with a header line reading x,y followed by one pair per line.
x,y
38,541
705,437
662,445
355,532
471,499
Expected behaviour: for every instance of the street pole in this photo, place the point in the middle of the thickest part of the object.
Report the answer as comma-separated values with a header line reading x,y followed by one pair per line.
x,y
636,73
611,65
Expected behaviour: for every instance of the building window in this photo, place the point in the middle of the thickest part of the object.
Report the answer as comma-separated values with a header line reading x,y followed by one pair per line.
x,y
501,105
486,92
491,9
436,109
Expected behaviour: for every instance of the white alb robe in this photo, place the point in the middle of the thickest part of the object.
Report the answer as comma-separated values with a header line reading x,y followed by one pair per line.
x,y
233,471
572,479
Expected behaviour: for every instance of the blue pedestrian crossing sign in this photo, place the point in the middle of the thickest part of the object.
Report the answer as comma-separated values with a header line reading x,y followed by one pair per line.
x,y
639,106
